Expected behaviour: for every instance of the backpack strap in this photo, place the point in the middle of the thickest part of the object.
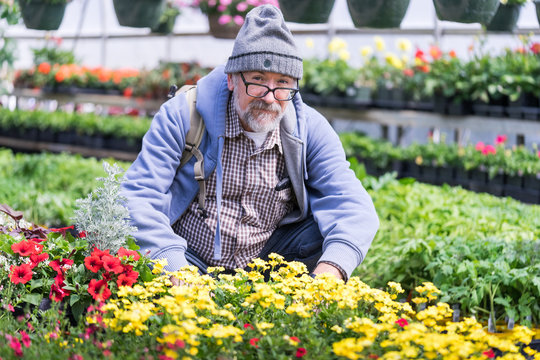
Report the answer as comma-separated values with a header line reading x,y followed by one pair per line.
x,y
193,140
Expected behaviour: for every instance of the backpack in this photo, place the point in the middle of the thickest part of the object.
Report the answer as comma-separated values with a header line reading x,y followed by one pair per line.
x,y
193,140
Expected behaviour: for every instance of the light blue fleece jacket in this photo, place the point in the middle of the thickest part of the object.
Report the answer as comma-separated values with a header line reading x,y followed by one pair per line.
x,y
158,192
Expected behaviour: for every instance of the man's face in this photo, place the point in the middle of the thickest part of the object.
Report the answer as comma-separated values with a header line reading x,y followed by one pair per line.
x,y
259,114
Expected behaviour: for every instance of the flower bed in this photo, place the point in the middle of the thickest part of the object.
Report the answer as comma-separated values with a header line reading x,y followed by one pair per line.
x,y
493,168
216,316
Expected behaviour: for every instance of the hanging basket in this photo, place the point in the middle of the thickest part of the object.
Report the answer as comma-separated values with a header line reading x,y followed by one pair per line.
x,y
165,27
138,13
537,4
377,14
40,15
466,11
222,31
306,11
505,18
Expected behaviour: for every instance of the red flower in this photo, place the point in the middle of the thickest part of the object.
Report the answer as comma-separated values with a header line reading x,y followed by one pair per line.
x,y
300,352
373,356
16,346
489,149
59,279
99,253
295,339
44,68
501,139
36,259
25,339
402,322
26,248
99,290
93,263
82,234
480,146
128,92
61,265
408,72
20,274
58,293
112,264
452,54
127,279
63,230
490,353
253,342
535,48
248,326
126,253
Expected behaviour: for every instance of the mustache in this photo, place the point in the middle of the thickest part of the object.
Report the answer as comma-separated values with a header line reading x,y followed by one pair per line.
x,y
261,105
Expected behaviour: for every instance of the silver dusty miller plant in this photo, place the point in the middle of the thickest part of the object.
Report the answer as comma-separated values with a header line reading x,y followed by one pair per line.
x,y
102,214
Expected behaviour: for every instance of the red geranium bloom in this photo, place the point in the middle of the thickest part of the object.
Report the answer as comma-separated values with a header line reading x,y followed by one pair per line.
x,y
300,352
501,139
99,253
20,274
253,342
99,290
490,353
127,279
36,259
16,346
93,263
248,326
82,234
63,230
402,322
489,149
126,253
535,48
58,293
59,279
61,265
26,248
112,264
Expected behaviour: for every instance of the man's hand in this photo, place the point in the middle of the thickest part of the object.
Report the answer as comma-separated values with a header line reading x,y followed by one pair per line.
x,y
327,268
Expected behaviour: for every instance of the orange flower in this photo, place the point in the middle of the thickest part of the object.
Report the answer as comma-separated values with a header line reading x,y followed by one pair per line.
x,y
44,68
435,52
452,54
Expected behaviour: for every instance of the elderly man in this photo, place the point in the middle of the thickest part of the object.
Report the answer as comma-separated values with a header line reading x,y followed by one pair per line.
x,y
276,175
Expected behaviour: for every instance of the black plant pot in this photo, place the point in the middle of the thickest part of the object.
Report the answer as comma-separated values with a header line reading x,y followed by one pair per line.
x,y
537,5
466,11
138,13
429,174
505,19
446,175
41,15
306,11
165,27
377,14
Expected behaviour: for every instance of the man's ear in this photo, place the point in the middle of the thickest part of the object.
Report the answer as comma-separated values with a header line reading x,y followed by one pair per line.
x,y
230,82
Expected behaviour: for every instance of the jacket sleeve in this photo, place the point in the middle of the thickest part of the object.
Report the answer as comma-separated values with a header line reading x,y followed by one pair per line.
x,y
148,181
341,206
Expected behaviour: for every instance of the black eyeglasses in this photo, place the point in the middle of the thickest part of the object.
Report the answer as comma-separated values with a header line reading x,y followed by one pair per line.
x,y
258,90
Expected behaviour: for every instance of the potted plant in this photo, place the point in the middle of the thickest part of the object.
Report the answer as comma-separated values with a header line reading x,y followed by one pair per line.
x,y
466,11
306,11
377,14
138,13
43,14
167,19
226,17
507,15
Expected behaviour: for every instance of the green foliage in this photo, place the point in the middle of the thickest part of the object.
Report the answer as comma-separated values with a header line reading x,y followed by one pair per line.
x,y
102,214
517,160
45,186
475,247
53,55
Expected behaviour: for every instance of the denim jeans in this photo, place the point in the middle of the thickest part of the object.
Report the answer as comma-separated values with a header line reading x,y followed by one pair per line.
x,y
295,242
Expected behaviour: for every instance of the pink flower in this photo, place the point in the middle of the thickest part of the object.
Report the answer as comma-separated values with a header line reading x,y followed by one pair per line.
x,y
221,8
25,339
480,146
489,149
242,6
224,19
538,154
253,342
501,139
238,20
225,2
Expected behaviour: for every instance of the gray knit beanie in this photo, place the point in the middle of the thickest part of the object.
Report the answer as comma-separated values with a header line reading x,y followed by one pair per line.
x,y
264,43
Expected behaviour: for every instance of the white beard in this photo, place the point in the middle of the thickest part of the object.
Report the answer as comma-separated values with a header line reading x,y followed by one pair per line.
x,y
258,121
